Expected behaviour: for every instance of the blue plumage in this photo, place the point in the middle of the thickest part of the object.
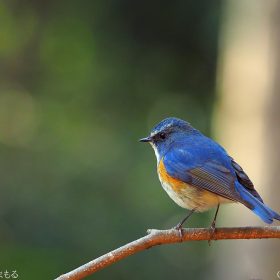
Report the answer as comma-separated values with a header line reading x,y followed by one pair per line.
x,y
259,208
209,176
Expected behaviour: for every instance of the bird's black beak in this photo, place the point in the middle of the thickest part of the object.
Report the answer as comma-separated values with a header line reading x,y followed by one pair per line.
x,y
146,139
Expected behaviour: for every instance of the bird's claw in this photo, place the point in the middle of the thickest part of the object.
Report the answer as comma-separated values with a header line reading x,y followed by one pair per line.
x,y
212,232
180,230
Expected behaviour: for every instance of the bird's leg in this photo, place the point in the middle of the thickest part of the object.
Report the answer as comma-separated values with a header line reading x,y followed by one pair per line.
x,y
179,226
213,225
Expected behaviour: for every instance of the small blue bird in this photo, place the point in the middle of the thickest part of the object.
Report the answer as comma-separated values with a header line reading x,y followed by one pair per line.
x,y
198,174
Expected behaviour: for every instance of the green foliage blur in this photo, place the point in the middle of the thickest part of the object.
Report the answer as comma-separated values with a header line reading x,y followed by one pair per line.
x,y
81,82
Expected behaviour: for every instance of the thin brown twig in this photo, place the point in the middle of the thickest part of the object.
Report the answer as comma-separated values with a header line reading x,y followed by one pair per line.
x,y
158,237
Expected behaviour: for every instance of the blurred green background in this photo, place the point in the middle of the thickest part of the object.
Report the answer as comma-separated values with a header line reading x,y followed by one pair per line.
x,y
81,82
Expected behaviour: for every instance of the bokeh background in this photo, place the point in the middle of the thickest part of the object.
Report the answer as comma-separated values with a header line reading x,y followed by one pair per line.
x,y
82,81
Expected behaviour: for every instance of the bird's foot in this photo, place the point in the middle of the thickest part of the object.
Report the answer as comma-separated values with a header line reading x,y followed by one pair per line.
x,y
180,230
179,227
212,232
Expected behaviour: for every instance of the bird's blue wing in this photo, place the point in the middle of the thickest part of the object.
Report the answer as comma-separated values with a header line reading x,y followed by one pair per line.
x,y
198,169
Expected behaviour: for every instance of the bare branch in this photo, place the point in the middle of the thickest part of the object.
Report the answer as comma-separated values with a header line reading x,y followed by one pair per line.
x,y
158,237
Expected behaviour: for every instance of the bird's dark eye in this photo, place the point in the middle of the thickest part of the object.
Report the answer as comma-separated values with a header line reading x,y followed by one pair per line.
x,y
162,135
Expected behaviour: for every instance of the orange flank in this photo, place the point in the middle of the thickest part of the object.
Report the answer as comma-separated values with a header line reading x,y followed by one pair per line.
x,y
175,184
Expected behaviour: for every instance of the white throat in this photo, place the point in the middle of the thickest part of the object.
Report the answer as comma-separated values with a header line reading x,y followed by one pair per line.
x,y
156,152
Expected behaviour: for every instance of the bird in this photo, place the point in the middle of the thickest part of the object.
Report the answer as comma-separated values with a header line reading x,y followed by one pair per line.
x,y
198,174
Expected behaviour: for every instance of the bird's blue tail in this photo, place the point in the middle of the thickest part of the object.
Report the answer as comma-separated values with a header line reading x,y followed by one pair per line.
x,y
259,208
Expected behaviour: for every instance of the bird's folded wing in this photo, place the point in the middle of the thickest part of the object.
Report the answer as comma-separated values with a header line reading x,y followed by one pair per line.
x,y
208,175
214,181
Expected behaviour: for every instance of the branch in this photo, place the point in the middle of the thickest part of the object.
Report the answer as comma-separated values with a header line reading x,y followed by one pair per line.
x,y
158,237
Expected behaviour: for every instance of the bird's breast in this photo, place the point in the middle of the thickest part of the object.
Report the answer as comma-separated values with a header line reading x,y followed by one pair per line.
x,y
174,183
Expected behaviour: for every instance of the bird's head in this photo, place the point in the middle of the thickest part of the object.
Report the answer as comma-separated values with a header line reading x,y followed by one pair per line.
x,y
167,132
